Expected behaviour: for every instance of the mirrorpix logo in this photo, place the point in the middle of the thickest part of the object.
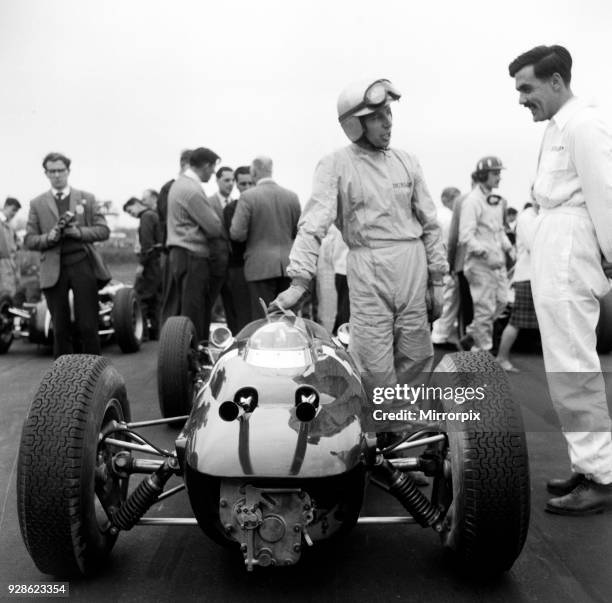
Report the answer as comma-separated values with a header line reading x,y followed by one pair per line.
x,y
442,396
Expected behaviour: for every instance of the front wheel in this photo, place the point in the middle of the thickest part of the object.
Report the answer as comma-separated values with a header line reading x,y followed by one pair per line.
x,y
485,488
176,366
66,489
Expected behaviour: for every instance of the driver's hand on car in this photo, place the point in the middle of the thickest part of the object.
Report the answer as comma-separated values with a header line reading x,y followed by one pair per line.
x,y
288,299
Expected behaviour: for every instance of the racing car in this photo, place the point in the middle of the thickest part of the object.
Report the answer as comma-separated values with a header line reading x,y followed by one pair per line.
x,y
275,452
119,316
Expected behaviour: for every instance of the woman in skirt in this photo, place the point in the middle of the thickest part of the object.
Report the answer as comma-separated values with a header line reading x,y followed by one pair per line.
x,y
523,314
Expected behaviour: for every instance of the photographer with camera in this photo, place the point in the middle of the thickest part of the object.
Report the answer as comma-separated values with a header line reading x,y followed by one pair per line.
x,y
62,224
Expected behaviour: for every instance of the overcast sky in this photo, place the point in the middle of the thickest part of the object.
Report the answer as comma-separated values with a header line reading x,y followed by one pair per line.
x,y
122,86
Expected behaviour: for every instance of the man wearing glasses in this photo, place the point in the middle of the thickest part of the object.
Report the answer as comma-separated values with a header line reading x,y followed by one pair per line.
x,y
481,230
377,197
62,224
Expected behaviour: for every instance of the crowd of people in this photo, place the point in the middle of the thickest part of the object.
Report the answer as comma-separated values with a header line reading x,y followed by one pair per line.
x,y
401,266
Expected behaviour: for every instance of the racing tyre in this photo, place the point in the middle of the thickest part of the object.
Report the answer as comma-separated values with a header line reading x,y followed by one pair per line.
x,y
6,322
65,488
604,326
127,320
176,366
485,486
39,326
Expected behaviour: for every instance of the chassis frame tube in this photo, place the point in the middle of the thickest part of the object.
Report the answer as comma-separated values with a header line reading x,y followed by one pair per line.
x,y
191,521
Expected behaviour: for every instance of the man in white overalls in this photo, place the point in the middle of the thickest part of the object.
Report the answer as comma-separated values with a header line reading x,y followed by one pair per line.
x,y
573,186
378,199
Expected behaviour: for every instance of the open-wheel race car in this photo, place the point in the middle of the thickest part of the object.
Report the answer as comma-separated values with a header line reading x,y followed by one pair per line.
x,y
275,452
119,318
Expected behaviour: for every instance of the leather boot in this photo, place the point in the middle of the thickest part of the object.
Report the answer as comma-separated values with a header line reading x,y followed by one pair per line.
x,y
586,498
561,487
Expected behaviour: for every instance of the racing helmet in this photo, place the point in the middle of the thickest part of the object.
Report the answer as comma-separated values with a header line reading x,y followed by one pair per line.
x,y
486,165
362,98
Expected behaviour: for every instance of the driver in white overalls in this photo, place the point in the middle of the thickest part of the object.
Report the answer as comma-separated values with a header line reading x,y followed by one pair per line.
x,y
377,197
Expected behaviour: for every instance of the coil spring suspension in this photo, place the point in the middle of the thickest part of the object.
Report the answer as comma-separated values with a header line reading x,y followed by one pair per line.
x,y
403,487
142,499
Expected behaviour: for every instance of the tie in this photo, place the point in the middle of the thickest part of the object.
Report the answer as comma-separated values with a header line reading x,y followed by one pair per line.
x,y
59,196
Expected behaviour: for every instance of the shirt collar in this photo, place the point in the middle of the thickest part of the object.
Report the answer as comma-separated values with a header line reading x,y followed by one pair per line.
x,y
65,192
191,174
264,180
3,217
567,111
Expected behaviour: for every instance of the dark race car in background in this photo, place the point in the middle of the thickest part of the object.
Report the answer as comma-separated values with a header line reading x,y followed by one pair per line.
x,y
119,319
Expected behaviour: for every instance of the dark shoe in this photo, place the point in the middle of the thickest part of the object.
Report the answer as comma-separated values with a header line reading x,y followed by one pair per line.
x,y
586,498
561,487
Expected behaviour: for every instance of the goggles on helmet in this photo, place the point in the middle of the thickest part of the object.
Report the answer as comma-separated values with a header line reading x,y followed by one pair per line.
x,y
375,96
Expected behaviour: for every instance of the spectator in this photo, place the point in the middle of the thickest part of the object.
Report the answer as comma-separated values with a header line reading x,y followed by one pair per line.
x,y
162,212
149,199
238,313
148,274
192,225
9,269
62,224
220,285
444,329
523,314
481,229
266,218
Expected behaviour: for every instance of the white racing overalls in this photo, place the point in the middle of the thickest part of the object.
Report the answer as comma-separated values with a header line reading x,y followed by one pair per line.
x,y
574,189
373,197
481,230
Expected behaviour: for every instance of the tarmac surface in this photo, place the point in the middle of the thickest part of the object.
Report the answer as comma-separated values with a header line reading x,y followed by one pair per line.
x,y
564,559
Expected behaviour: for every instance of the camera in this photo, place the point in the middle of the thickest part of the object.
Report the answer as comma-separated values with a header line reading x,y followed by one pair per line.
x,y
64,220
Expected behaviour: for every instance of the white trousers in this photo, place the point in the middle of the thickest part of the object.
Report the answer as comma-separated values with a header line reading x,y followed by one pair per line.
x,y
567,282
489,291
390,336
444,329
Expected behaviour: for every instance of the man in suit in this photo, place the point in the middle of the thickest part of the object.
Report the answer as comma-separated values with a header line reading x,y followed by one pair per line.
x,y
220,249
148,274
266,218
192,225
62,224
239,314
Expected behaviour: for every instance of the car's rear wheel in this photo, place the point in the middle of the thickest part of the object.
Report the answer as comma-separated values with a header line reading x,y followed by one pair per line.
x,y
6,322
65,488
176,366
127,320
604,326
485,487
